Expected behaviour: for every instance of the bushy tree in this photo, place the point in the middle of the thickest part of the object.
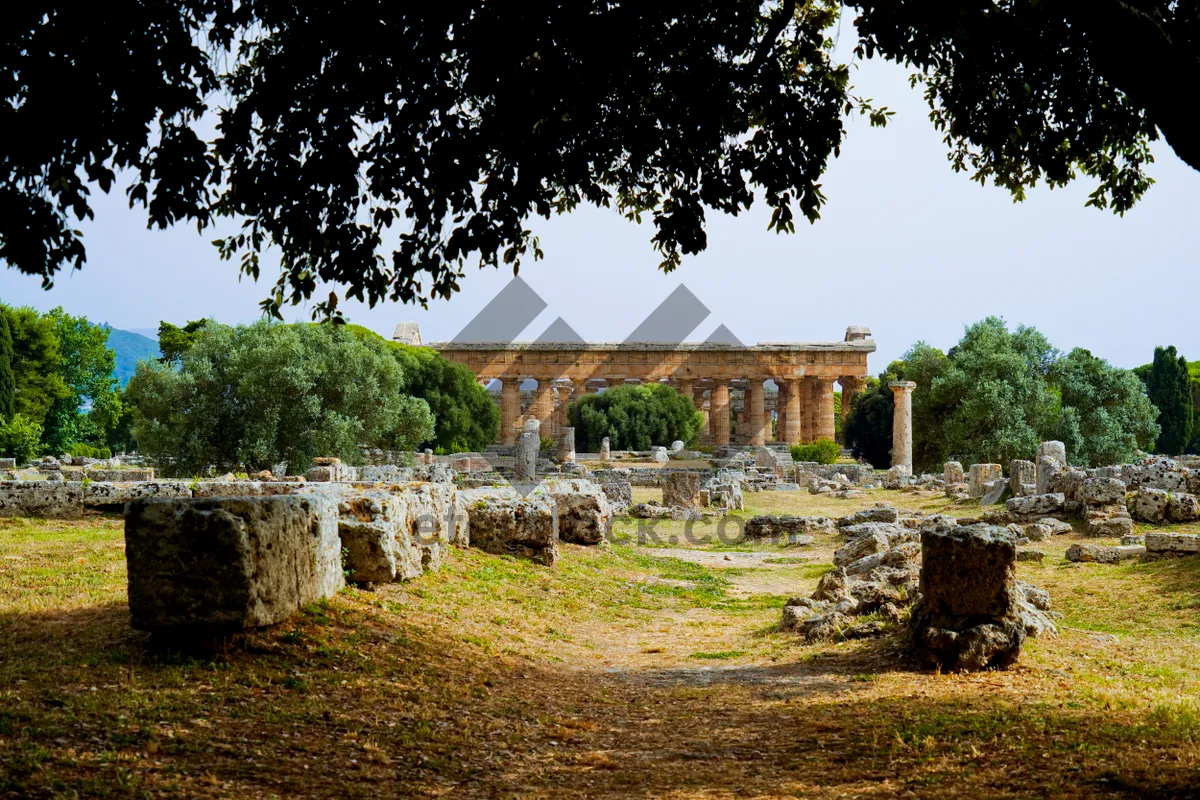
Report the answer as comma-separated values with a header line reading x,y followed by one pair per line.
x,y
998,393
467,417
174,341
20,438
37,364
8,382
868,430
1169,388
635,417
254,396
1106,416
87,370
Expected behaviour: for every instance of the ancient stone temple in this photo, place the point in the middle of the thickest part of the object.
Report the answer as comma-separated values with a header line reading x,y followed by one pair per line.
x,y
801,378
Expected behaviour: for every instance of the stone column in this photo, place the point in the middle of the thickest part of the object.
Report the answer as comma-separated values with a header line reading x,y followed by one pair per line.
x,y
719,412
566,392
543,406
684,387
781,410
825,427
566,445
757,415
698,399
902,424
851,386
510,410
794,420
525,468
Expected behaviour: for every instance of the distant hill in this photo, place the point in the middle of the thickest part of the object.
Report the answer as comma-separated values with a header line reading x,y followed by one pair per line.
x,y
130,348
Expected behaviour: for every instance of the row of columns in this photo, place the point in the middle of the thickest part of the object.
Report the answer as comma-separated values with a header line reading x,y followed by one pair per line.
x,y
804,407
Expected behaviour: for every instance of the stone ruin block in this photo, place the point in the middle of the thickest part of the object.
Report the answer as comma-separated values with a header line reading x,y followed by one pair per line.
x,y
1172,544
972,614
584,514
682,490
1038,505
228,564
1103,554
1150,505
1020,474
111,496
994,492
325,469
616,487
1102,492
1052,449
47,499
376,533
1110,521
125,475
952,473
8,463
1182,507
881,513
227,489
525,527
430,510
981,476
789,530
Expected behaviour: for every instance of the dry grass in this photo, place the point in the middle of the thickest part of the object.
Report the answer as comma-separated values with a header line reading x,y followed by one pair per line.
x,y
618,673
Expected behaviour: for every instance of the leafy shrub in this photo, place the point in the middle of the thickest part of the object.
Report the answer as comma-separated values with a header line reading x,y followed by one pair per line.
x,y
546,443
822,451
19,438
81,450
635,418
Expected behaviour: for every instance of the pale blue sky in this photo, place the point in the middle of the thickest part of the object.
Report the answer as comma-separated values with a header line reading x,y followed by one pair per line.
x,y
906,247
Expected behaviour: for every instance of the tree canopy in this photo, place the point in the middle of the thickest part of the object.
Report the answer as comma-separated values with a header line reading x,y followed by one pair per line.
x,y
998,393
634,417
1169,387
467,417
382,148
252,397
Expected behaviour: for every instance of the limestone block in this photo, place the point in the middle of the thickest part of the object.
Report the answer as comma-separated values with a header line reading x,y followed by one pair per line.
x,y
8,463
584,513
952,472
877,514
875,542
1103,554
605,451
229,563
1110,521
1047,470
430,510
659,455
526,527
1158,543
1020,473
1150,505
115,495
618,490
528,445
682,490
48,499
1102,491
981,476
786,529
994,492
120,475
227,489
1192,479
676,446
1039,504
566,446
1182,507
1053,449
369,550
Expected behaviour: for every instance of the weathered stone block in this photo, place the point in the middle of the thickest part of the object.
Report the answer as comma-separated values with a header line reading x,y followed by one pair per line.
x,y
952,472
369,550
681,490
1172,543
877,514
1102,491
1107,521
1103,554
229,563
1150,505
1020,473
584,514
116,495
48,499
1052,449
994,492
981,476
124,475
1182,507
525,527
787,529
1047,470
8,463
1039,504
874,542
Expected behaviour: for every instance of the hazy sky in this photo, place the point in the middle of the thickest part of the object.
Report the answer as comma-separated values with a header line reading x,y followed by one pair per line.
x,y
906,247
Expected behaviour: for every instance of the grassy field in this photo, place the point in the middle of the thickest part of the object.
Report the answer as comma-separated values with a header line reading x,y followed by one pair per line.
x,y
623,672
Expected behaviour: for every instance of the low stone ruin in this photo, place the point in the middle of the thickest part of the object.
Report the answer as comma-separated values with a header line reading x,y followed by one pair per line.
x,y
525,527
229,564
682,490
968,611
973,613
787,530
